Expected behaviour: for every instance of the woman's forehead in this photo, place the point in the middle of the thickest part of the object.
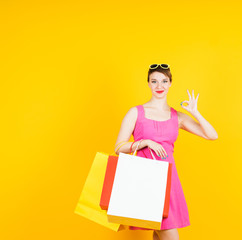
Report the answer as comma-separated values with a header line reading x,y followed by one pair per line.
x,y
158,76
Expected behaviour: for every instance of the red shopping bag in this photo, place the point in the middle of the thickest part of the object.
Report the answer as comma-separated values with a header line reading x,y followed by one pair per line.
x,y
108,181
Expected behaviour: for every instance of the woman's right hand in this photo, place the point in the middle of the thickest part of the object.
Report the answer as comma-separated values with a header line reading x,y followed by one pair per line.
x,y
157,147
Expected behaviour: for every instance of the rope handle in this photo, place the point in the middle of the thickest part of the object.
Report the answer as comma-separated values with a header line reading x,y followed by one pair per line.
x,y
148,148
130,150
137,146
152,154
120,142
135,149
121,146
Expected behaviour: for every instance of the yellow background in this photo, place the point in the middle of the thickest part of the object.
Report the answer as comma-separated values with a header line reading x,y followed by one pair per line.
x,y
70,71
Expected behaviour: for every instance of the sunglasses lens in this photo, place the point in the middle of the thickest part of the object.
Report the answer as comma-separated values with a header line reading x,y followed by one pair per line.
x,y
165,65
153,65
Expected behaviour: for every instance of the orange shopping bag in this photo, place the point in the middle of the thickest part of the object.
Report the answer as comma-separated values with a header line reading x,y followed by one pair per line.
x,y
108,181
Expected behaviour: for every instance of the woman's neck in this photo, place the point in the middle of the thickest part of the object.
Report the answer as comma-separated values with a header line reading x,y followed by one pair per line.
x,y
160,104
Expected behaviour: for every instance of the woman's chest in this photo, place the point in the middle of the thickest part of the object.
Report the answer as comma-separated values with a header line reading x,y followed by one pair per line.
x,y
159,129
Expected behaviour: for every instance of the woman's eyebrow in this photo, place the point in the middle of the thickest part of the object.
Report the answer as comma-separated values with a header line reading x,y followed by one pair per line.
x,y
156,79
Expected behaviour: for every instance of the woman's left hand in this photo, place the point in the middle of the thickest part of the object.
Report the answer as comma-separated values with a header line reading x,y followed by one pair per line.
x,y
192,103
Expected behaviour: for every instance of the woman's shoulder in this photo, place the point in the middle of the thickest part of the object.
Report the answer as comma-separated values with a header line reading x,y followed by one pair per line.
x,y
132,113
181,116
134,109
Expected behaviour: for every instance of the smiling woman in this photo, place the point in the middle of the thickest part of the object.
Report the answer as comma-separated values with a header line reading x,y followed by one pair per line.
x,y
155,125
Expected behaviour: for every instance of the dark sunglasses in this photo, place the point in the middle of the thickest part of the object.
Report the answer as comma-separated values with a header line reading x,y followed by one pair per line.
x,y
163,65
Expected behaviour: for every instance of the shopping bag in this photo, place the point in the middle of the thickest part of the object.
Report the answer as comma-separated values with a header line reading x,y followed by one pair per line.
x,y
109,177
88,204
108,184
168,192
138,192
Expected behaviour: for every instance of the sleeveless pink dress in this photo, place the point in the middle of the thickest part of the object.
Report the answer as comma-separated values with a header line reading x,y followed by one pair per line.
x,y
165,133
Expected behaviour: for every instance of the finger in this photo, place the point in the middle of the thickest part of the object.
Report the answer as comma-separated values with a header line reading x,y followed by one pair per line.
x,y
157,153
185,102
189,94
186,108
165,153
193,94
162,154
197,97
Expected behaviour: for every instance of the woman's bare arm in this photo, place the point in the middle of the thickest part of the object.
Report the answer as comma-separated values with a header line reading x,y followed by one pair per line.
x,y
201,128
126,130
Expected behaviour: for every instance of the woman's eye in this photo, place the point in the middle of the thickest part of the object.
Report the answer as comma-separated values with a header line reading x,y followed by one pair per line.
x,y
163,81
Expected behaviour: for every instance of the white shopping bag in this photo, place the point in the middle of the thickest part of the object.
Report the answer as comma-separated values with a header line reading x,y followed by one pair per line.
x,y
138,192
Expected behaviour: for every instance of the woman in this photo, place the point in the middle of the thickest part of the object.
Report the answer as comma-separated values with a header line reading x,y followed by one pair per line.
x,y
155,125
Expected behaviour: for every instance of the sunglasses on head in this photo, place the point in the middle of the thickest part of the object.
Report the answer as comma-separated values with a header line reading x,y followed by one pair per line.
x,y
163,65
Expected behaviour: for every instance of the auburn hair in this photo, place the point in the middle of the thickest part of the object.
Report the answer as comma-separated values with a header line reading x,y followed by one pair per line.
x,y
166,72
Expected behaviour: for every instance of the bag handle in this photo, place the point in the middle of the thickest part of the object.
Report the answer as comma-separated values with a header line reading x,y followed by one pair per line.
x,y
137,146
148,148
152,154
120,146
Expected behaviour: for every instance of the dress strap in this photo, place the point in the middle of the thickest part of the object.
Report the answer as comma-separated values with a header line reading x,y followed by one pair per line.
x,y
140,112
174,114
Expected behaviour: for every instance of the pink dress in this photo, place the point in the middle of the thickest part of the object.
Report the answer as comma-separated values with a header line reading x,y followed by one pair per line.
x,y
165,133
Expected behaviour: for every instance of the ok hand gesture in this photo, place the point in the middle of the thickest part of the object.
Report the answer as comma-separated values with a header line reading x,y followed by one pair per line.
x,y
192,103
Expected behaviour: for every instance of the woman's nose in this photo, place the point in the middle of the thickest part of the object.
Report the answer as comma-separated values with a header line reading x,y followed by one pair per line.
x,y
159,84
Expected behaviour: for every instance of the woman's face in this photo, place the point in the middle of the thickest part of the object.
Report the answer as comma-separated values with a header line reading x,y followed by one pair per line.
x,y
159,84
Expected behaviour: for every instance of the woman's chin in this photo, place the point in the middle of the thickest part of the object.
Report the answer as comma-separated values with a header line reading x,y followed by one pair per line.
x,y
159,95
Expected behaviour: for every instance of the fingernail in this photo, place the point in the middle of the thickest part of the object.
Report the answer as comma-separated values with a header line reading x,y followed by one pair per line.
x,y
162,158
167,155
181,103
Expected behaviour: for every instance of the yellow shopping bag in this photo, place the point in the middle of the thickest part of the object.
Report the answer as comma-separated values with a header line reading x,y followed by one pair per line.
x,y
88,204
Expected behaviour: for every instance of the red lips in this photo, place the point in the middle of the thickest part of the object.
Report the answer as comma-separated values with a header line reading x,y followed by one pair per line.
x,y
159,91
